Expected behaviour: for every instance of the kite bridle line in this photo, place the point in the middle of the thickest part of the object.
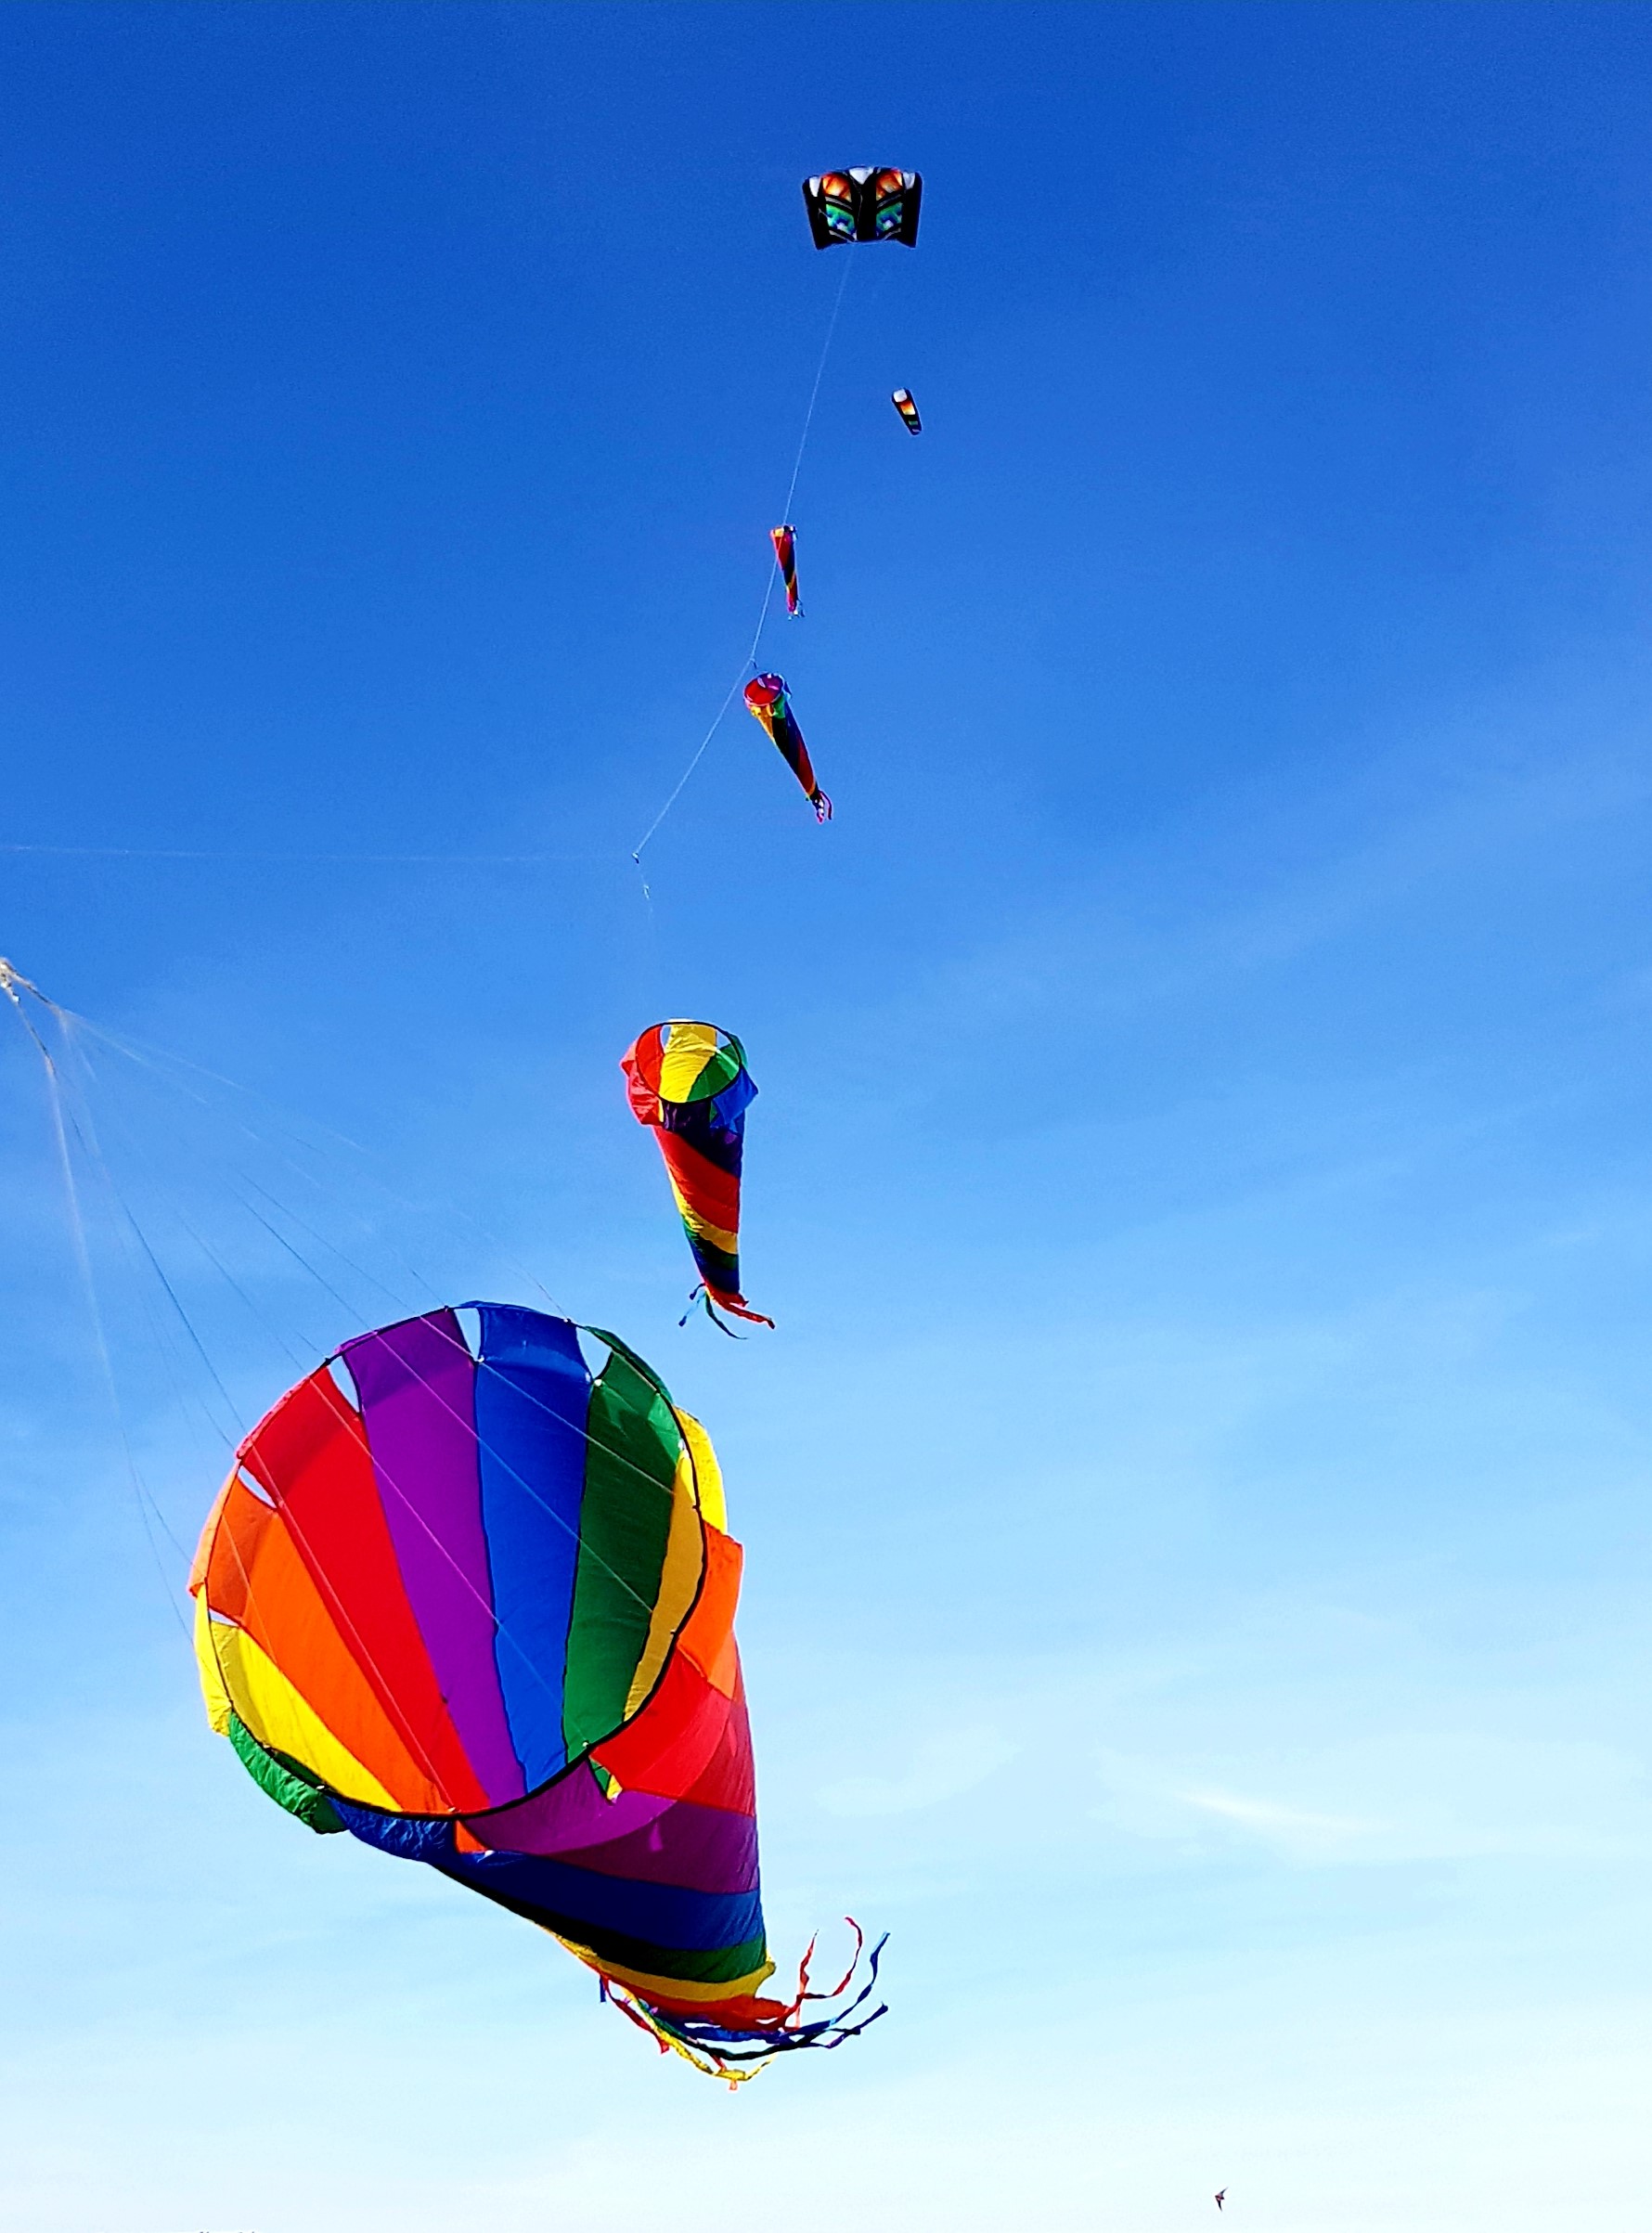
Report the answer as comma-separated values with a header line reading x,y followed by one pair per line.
x,y
80,1027
14,985
124,1219
152,1059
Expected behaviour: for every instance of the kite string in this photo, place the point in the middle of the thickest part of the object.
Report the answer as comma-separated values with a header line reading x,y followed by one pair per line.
x,y
125,1230
385,1477
814,398
404,1724
751,657
67,1021
124,1211
141,1493
80,1025
287,1125
700,751
336,859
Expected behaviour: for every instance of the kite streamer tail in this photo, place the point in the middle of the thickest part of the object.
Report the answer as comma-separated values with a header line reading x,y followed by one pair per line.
x,y
834,1992
736,2052
665,2038
702,1295
699,1294
822,804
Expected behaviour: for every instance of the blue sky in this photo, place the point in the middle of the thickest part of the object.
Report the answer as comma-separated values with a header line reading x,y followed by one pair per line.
x,y
1195,1495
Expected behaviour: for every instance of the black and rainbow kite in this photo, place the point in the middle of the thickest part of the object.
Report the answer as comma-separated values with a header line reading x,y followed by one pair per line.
x,y
863,205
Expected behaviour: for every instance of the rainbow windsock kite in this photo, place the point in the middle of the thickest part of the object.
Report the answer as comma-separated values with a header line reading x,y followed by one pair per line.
x,y
690,1082
766,699
471,1600
785,557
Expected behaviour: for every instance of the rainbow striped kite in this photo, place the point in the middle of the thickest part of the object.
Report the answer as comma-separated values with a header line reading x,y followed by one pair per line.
x,y
690,1082
766,701
473,1602
785,557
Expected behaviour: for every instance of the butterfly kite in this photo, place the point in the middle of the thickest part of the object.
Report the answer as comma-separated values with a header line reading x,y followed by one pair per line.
x,y
472,1601
863,205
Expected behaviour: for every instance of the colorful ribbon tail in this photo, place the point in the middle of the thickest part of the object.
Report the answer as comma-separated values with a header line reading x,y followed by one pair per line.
x,y
842,1985
711,1304
738,2050
711,1313
822,804
701,1295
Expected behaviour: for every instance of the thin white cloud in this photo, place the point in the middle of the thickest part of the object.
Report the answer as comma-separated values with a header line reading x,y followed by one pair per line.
x,y
1267,1817
1393,1797
942,1767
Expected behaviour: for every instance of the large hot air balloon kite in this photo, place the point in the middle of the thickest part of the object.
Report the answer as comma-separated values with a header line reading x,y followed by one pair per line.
x,y
690,1083
474,1602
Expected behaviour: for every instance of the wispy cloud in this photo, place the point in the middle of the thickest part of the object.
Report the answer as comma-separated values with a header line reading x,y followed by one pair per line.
x,y
1395,1798
1272,1820
942,1767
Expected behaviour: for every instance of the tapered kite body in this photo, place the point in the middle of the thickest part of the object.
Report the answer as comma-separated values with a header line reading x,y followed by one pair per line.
x,y
767,699
785,557
690,1083
473,1602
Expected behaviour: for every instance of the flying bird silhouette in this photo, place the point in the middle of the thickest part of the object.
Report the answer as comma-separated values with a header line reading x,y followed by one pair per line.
x,y
1219,2196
